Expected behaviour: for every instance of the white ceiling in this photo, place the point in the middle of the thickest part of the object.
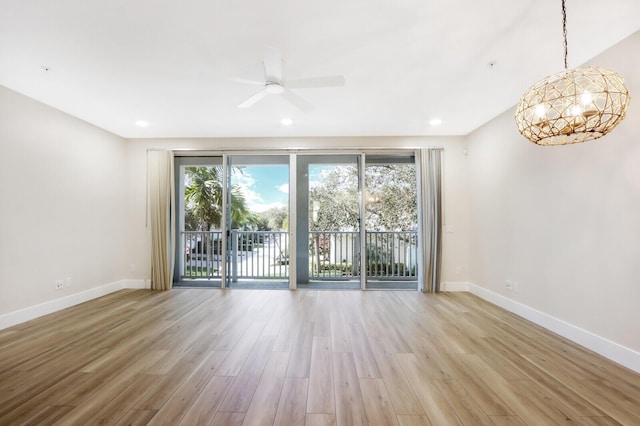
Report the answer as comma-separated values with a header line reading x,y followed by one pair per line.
x,y
175,64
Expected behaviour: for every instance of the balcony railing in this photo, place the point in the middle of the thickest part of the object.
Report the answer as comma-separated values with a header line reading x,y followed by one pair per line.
x,y
332,255
257,255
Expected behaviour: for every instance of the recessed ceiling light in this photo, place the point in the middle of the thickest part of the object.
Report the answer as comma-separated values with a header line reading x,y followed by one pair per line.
x,y
142,123
435,121
286,122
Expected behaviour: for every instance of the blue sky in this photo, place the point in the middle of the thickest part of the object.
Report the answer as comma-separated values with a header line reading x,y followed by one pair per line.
x,y
264,187
267,186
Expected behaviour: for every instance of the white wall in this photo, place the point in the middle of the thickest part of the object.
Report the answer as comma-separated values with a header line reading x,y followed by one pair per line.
x,y
563,222
455,246
62,204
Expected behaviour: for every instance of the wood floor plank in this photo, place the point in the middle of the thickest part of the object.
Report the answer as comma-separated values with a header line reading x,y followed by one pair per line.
x,y
238,355
124,401
225,357
433,402
514,396
349,404
363,357
287,335
507,421
136,418
320,420
241,392
339,333
264,404
292,406
181,400
228,419
49,415
462,403
159,394
321,390
606,397
300,361
96,399
402,396
412,420
485,397
322,317
204,408
81,385
393,334
377,403
559,390
597,421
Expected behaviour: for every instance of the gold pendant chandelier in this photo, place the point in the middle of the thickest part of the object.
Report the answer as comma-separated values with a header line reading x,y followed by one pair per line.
x,y
574,105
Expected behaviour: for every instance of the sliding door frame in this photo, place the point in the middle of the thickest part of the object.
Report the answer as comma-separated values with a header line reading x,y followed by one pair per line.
x,y
203,158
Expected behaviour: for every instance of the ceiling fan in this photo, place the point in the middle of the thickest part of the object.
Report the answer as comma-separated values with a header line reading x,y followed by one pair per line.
x,y
275,85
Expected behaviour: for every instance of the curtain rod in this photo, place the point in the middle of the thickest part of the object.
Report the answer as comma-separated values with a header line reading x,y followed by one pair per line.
x,y
291,150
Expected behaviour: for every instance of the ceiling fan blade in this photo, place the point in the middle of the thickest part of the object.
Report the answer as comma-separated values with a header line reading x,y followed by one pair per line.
x,y
272,65
253,99
313,82
297,101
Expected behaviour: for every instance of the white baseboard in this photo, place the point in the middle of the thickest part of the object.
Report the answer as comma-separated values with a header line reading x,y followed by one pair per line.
x,y
32,312
600,345
137,284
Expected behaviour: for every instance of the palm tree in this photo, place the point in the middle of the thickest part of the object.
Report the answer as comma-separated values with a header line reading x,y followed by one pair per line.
x,y
203,197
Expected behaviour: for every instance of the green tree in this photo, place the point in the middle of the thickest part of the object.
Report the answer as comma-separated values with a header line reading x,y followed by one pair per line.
x,y
203,199
391,199
276,219
333,200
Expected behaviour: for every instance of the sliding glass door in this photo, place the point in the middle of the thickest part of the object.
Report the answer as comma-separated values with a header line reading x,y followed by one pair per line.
x,y
391,222
328,221
199,194
257,221
349,223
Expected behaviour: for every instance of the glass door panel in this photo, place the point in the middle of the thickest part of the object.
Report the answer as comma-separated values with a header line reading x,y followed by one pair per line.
x,y
391,222
258,221
199,193
328,231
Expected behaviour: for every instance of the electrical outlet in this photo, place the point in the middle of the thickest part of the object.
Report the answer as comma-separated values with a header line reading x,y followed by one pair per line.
x,y
67,282
458,270
508,284
59,284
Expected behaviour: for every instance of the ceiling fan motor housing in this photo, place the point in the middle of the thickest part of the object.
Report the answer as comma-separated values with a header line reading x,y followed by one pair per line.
x,y
274,88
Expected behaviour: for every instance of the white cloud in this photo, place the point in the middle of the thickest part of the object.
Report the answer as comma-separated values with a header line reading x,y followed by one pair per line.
x,y
283,188
261,207
245,182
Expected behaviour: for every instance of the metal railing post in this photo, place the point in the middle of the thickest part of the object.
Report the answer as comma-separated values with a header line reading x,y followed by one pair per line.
x,y
234,256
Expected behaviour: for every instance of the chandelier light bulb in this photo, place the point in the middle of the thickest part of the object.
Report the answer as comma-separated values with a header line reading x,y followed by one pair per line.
x,y
576,110
586,98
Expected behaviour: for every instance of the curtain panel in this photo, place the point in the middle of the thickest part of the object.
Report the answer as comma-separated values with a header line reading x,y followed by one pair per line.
x,y
430,166
162,218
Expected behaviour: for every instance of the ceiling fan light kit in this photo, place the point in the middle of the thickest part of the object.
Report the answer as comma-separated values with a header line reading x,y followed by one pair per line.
x,y
274,88
574,105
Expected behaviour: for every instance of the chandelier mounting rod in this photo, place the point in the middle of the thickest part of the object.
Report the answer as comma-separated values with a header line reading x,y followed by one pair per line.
x,y
564,33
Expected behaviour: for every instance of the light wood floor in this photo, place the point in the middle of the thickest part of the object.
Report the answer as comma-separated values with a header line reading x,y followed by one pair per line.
x,y
197,356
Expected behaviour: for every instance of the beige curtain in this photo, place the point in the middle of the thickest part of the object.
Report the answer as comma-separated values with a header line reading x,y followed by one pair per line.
x,y
162,218
430,177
